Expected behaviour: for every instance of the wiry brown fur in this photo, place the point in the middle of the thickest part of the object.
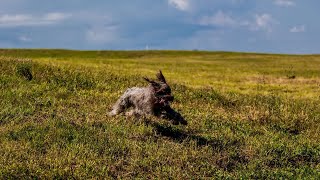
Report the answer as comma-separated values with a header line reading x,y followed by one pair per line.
x,y
151,100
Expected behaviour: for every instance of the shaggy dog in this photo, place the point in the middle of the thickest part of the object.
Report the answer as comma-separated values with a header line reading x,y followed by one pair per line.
x,y
151,100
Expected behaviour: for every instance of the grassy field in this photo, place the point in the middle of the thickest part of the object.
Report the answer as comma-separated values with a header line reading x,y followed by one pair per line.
x,y
251,116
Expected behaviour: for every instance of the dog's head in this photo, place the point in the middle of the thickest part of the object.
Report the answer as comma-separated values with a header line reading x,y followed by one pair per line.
x,y
161,88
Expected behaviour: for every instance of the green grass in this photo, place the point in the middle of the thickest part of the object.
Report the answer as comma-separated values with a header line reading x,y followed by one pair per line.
x,y
250,115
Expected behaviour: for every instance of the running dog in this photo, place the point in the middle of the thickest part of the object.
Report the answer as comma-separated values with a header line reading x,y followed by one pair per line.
x,y
151,100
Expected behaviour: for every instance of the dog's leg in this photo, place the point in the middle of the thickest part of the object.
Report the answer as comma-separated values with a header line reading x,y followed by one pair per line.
x,y
173,115
136,113
122,104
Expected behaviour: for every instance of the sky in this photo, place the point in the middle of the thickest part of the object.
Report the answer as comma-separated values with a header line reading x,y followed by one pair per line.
x,y
272,26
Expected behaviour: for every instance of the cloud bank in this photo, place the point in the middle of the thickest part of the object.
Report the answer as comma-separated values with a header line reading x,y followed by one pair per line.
x,y
231,25
15,20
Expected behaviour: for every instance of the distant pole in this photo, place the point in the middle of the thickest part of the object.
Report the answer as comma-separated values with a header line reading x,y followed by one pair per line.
x,y
147,47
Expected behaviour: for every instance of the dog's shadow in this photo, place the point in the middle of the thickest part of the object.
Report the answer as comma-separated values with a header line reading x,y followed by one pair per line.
x,y
180,136
172,115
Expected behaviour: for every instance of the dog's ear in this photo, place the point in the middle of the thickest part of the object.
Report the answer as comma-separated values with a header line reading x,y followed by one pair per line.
x,y
161,77
153,83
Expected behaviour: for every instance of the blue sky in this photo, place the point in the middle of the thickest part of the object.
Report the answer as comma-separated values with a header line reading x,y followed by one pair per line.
x,y
275,26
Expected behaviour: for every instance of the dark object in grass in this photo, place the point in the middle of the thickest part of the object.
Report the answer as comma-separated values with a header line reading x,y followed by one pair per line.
x,y
172,115
292,77
25,70
151,100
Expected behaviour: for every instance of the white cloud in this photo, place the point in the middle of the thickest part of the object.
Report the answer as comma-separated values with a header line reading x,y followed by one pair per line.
x,y
14,19
17,20
263,22
182,5
284,3
219,19
101,35
24,38
56,16
298,29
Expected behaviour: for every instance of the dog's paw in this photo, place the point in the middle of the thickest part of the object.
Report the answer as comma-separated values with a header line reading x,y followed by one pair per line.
x,y
129,113
111,113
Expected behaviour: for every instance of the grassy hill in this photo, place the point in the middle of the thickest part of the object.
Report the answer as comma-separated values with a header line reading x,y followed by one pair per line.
x,y
250,115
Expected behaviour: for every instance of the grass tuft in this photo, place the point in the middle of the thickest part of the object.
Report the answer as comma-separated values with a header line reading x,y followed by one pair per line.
x,y
24,69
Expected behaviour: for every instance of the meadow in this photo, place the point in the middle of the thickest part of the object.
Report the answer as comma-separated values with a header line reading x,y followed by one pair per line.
x,y
250,116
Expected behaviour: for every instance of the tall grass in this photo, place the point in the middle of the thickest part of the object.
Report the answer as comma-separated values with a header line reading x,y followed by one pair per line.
x,y
248,118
